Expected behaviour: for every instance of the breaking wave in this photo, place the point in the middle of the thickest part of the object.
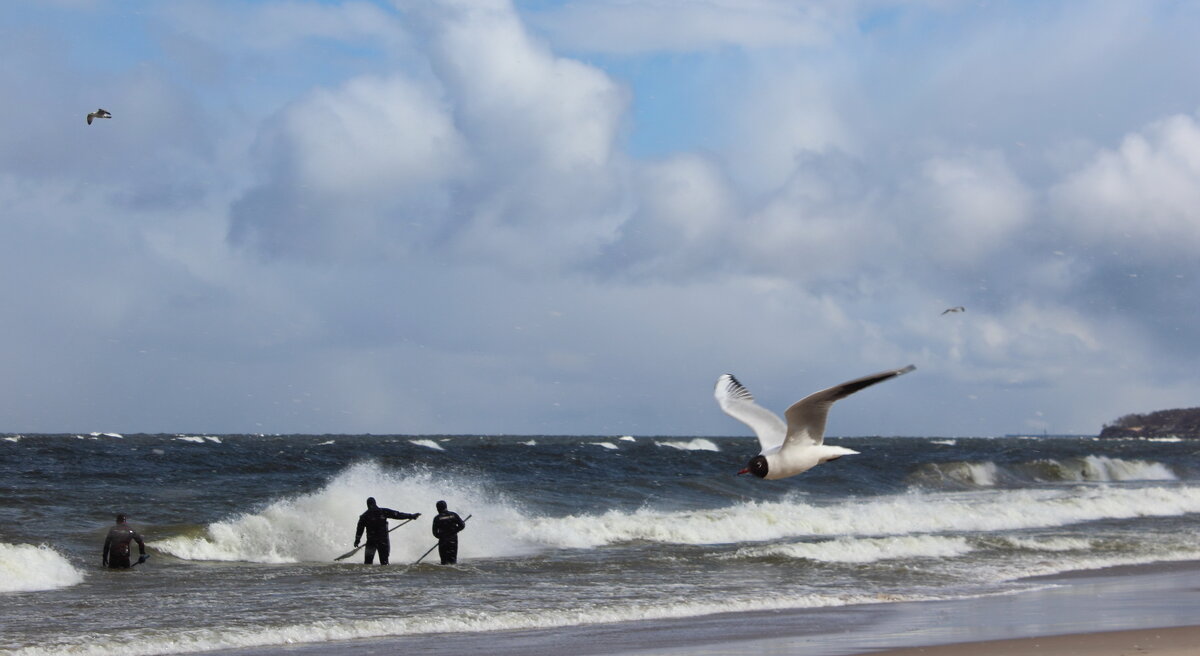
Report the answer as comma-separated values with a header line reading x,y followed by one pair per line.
x,y
870,517
865,550
1088,469
197,640
28,568
319,526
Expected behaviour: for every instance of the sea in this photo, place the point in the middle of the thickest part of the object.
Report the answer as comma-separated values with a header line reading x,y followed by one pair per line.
x,y
564,531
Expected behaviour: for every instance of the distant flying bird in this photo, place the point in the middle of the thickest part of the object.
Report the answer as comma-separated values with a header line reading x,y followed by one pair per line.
x,y
795,447
99,113
954,309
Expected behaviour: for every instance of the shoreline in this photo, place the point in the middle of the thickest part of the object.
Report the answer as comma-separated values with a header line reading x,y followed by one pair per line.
x,y
1170,641
1152,607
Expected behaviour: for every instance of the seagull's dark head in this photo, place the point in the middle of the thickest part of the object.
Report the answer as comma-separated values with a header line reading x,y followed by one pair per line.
x,y
757,466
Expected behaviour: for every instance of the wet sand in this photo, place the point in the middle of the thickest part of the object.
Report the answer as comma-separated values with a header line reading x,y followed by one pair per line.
x,y
1146,610
1176,641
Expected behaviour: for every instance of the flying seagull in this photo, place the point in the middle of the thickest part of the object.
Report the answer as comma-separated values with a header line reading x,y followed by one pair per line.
x,y
795,447
954,309
99,113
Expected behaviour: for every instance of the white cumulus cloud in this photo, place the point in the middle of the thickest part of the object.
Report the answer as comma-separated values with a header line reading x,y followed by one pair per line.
x,y
1143,194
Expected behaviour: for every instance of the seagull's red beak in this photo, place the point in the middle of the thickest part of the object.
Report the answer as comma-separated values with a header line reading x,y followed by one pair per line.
x,y
744,471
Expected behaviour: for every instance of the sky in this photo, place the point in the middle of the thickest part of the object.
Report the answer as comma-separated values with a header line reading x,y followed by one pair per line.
x,y
570,217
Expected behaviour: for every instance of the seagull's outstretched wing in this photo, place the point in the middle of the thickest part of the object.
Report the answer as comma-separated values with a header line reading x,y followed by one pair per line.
x,y
737,402
806,417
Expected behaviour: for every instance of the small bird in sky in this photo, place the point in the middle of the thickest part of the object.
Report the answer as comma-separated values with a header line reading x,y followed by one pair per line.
x,y
99,113
954,309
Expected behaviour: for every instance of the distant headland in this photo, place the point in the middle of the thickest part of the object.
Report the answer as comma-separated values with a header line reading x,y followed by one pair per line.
x,y
1181,422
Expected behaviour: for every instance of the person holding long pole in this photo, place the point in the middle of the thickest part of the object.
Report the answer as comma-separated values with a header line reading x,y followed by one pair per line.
x,y
374,522
446,526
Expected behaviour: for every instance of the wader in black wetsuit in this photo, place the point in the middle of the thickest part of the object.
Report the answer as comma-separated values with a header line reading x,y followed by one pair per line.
x,y
116,545
445,528
374,522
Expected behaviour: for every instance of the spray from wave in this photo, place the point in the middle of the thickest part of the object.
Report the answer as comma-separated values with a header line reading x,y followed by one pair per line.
x,y
28,568
319,526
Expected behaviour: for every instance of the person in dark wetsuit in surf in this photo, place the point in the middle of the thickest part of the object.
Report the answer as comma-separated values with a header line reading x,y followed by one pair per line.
x,y
446,526
374,522
116,545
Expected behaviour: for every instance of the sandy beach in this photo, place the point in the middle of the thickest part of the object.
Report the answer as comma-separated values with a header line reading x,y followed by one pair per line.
x,y
1126,611
1173,641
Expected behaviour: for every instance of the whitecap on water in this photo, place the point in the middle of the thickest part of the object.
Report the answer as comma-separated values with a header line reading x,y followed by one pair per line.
x,y
698,444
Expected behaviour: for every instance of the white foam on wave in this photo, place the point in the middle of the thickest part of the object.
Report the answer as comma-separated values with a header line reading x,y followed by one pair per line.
x,y
1088,469
944,442
145,642
698,444
628,438
198,439
974,474
872,517
607,445
428,443
1104,469
530,443
117,435
319,526
1048,566
1050,544
326,442
14,438
865,550
27,568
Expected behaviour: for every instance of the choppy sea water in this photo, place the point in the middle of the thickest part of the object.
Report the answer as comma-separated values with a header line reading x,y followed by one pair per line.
x,y
565,531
